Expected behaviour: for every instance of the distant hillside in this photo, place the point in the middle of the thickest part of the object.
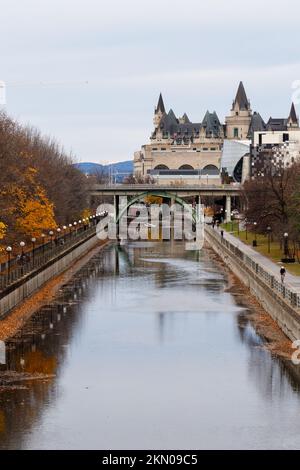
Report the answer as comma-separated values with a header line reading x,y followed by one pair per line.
x,y
116,169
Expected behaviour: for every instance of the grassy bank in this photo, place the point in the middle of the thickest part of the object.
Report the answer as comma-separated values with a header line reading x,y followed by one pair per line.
x,y
262,245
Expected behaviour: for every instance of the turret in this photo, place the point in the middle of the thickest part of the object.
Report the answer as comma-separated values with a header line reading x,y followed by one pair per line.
x,y
237,124
292,120
159,111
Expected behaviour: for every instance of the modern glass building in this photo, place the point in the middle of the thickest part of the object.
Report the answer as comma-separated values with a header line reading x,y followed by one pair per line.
x,y
232,158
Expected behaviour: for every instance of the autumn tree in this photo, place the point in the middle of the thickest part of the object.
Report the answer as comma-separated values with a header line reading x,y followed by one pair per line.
x,y
273,200
39,185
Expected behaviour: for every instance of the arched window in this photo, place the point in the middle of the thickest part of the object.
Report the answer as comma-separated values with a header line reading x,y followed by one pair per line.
x,y
185,167
161,167
211,170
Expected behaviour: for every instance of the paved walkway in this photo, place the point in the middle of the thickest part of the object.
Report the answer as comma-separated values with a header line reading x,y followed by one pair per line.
x,y
291,281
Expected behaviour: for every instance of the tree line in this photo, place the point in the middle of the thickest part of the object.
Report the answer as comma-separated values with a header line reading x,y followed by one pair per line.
x,y
40,188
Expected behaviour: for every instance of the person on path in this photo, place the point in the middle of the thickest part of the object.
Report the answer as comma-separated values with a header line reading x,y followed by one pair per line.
x,y
282,273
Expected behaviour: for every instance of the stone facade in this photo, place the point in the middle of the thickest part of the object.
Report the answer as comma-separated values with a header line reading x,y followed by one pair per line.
x,y
182,150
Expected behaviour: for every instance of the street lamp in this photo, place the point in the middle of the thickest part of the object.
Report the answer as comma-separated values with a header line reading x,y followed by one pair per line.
x,y
255,235
33,240
8,250
43,242
51,236
22,244
64,229
269,238
286,244
70,228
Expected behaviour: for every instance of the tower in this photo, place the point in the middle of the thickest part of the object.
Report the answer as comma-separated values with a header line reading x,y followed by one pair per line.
x,y
159,111
237,124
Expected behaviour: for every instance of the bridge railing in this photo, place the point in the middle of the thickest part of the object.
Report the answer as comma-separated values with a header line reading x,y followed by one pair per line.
x,y
262,273
157,186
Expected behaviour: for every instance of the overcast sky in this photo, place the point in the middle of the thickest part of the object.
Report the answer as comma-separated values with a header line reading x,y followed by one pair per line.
x,y
195,52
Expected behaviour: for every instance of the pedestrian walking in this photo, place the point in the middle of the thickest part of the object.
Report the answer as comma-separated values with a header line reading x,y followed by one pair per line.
x,y
282,273
222,233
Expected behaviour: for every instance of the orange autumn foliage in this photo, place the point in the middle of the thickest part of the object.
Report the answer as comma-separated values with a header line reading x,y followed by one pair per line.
x,y
37,214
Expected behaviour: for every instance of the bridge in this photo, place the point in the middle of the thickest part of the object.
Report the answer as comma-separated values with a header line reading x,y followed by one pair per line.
x,y
173,192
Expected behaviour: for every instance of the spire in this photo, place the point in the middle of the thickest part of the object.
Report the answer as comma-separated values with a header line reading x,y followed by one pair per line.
x,y
241,98
184,119
160,105
293,116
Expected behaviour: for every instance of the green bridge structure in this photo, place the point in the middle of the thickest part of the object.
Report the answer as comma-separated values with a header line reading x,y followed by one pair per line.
x,y
175,193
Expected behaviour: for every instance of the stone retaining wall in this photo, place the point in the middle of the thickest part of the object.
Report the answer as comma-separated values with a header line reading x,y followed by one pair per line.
x,y
278,301
23,288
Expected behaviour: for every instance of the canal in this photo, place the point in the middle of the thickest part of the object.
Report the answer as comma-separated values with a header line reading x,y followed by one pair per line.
x,y
146,348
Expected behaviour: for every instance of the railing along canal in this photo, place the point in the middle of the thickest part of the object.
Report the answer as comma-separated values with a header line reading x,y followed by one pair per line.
x,y
17,268
290,296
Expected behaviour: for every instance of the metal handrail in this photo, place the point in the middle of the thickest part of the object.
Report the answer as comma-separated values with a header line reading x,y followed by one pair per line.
x,y
41,255
266,276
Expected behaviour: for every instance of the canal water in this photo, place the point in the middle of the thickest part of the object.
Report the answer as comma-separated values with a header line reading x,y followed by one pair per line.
x,y
145,348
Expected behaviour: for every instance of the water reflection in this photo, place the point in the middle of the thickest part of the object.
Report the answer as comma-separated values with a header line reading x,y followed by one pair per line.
x,y
144,347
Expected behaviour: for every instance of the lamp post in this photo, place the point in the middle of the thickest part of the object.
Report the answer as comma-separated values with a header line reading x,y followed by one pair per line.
x,y
22,244
269,238
43,242
246,227
64,229
51,237
33,240
70,228
286,244
232,214
255,235
8,251
75,223
58,233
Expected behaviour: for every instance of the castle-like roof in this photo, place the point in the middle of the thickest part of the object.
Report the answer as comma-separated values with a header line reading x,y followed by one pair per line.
x,y
241,98
277,124
257,124
171,126
160,105
293,116
185,119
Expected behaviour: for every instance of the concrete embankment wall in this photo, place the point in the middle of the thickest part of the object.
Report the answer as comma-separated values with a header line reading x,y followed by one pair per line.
x,y
19,291
278,301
